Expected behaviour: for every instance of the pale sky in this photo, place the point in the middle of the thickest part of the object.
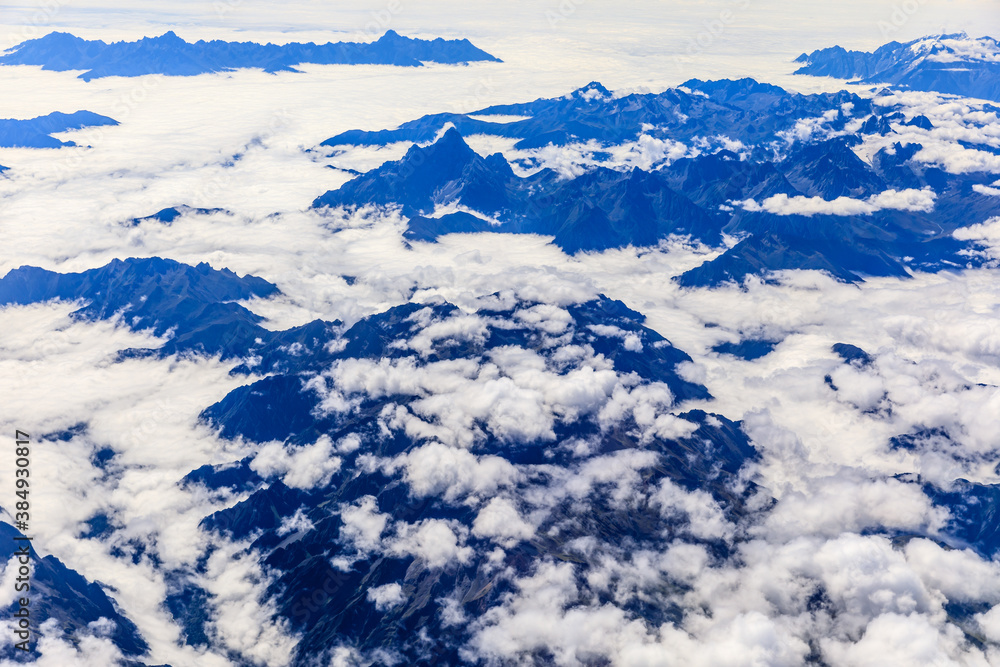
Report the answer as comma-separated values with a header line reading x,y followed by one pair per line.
x,y
653,29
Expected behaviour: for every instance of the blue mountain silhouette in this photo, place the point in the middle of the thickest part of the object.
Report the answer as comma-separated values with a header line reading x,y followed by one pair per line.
x,y
171,55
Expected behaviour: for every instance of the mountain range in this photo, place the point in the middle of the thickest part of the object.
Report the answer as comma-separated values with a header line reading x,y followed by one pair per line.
x,y
811,203
169,54
37,132
501,459
368,500
949,63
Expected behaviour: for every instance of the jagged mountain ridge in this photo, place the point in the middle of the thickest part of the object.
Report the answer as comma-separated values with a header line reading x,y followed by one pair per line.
x,y
195,307
606,208
949,63
743,110
171,55
601,209
37,132
63,595
167,215
286,407
594,485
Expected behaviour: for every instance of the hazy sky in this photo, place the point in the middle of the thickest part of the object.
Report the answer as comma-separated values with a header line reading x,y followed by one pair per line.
x,y
850,22
745,31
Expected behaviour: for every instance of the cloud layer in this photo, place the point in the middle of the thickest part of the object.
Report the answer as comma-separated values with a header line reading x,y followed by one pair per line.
x,y
901,200
843,557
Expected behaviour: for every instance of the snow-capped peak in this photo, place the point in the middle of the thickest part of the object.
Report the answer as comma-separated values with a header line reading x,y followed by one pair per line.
x,y
958,47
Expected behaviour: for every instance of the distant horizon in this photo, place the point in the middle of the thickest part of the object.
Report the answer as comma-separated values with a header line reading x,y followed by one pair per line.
x,y
173,32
